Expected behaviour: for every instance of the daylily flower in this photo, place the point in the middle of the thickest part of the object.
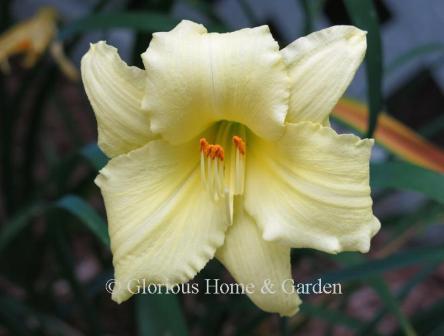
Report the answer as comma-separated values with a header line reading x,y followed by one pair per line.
x,y
31,38
222,147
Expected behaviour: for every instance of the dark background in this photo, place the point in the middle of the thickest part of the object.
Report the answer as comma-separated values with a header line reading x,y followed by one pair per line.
x,y
54,258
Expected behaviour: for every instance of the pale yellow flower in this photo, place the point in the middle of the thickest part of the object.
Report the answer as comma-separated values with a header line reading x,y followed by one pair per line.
x,y
221,147
31,38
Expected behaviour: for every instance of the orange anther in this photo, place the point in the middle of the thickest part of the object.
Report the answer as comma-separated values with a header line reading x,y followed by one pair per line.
x,y
215,151
212,151
204,145
220,152
239,143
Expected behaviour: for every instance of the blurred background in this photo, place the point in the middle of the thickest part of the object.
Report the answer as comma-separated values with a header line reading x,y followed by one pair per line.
x,y
54,246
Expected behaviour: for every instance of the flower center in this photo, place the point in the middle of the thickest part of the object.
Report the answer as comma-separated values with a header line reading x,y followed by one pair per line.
x,y
222,165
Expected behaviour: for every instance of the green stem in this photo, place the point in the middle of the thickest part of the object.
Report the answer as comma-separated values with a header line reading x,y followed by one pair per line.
x,y
283,323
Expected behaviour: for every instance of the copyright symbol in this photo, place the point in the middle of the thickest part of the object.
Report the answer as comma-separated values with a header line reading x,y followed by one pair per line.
x,y
109,285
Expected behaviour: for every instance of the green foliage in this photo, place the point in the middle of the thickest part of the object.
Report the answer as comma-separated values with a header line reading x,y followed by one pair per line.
x,y
87,215
159,315
405,176
369,268
413,54
364,16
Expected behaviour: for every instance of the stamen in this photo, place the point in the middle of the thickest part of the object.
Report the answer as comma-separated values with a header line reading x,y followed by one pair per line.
x,y
203,144
239,167
239,143
218,181
212,168
203,152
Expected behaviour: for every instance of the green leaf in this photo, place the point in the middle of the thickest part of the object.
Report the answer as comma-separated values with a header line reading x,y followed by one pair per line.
x,y
283,326
379,266
392,304
381,288
82,210
412,54
159,314
363,15
417,222
430,320
406,176
401,295
94,155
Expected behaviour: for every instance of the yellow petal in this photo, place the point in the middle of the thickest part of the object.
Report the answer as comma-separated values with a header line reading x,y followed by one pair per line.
x,y
321,66
115,91
311,189
196,78
163,225
255,262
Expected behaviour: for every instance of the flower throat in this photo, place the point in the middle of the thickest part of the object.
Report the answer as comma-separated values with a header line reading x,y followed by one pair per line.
x,y
222,164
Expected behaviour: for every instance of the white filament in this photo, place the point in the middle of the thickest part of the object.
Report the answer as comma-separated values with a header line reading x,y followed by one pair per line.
x,y
212,175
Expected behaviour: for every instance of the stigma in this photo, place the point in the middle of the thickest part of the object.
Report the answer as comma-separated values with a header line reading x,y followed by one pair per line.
x,y
222,168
